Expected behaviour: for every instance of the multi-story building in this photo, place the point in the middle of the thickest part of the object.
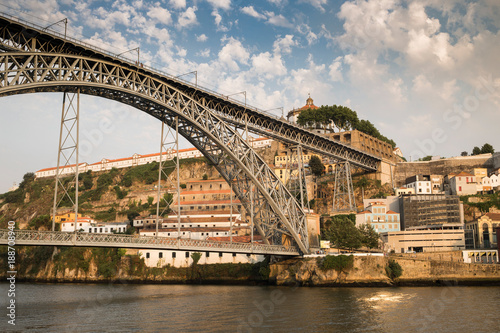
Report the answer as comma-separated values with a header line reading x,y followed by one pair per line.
x,y
379,217
366,143
430,209
425,239
463,183
420,183
484,230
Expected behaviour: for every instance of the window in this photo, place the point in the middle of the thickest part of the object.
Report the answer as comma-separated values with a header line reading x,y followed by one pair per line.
x,y
160,255
187,254
174,255
220,254
234,255
207,254
147,255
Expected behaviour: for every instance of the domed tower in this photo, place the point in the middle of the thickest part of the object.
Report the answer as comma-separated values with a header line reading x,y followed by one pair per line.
x,y
294,114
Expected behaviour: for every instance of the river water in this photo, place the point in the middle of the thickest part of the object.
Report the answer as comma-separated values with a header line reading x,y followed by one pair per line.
x,y
201,308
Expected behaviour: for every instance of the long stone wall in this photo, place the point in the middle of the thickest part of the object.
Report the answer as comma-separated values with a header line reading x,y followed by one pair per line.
x,y
445,166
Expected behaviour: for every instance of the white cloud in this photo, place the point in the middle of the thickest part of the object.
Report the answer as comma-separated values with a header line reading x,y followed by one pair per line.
x,y
177,4
218,21
252,12
223,4
204,53
278,20
268,65
160,14
233,53
284,45
336,70
316,3
201,38
188,18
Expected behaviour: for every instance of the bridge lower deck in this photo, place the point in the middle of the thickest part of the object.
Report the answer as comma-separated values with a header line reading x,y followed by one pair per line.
x,y
58,238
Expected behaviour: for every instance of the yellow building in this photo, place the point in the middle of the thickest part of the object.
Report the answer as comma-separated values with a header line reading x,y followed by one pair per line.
x,y
66,217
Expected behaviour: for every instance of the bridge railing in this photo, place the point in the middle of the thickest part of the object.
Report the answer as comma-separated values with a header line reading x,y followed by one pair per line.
x,y
34,237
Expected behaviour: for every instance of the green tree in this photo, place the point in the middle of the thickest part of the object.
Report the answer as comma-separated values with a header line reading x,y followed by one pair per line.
x,y
476,151
317,167
343,232
393,270
205,176
464,153
370,236
487,149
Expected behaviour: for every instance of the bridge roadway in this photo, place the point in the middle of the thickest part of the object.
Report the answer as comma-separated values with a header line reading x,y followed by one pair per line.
x,y
59,238
18,35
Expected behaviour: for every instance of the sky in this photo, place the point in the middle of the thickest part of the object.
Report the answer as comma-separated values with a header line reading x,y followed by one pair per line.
x,y
425,72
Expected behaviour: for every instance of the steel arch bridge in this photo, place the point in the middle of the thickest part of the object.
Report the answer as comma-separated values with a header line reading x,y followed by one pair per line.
x,y
34,60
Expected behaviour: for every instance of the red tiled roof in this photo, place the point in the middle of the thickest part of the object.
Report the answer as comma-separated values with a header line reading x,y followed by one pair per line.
x,y
391,212
238,239
493,216
464,174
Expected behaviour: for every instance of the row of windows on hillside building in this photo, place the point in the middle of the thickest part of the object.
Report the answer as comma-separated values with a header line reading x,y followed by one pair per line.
x,y
187,255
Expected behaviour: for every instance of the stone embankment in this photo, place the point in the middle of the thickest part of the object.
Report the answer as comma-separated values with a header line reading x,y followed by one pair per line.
x,y
371,271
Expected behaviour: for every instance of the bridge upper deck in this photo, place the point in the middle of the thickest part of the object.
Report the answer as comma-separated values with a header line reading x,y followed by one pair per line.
x,y
19,35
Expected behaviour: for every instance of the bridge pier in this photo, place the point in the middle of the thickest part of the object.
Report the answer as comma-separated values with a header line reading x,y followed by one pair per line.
x,y
68,150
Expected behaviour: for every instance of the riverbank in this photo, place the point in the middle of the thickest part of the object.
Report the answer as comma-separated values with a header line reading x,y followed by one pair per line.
x,y
371,271
99,265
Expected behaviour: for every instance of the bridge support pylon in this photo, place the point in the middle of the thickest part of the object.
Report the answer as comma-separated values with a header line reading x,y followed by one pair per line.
x,y
67,154
343,193
296,175
168,169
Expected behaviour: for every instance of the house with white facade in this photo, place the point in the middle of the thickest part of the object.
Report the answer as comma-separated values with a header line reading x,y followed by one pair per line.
x,y
420,183
463,183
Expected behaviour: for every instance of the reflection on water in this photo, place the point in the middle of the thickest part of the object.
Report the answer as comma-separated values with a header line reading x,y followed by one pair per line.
x,y
181,308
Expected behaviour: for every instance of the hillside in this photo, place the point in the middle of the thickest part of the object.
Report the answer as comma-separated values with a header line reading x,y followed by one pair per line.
x,y
114,195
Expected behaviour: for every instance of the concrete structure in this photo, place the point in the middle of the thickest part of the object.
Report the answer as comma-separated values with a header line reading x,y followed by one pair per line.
x,y
480,256
430,209
484,230
379,217
367,143
429,239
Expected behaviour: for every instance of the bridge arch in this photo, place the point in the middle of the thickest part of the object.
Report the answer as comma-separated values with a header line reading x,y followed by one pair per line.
x,y
276,212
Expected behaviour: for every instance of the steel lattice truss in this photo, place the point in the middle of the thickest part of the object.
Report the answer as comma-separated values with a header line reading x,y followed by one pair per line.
x,y
25,36
276,212
58,238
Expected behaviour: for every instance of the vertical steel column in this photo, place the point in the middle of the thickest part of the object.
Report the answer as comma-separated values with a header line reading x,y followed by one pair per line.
x,y
343,196
231,212
68,150
169,144
296,181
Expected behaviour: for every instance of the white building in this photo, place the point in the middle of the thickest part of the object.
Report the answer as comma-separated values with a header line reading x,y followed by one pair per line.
x,y
420,184
176,258
89,226
463,183
136,159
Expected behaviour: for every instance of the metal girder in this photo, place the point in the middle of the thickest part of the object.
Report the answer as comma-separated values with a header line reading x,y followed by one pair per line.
x,y
276,212
16,34
58,238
